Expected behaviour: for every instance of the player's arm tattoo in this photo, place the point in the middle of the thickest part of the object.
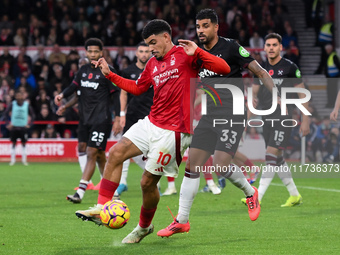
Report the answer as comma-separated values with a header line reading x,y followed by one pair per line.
x,y
262,74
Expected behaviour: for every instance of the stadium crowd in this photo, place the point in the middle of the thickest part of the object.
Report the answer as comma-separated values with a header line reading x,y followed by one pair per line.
x,y
119,23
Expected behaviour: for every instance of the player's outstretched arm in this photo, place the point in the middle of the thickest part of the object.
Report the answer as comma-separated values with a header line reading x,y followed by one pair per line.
x,y
188,46
334,113
210,62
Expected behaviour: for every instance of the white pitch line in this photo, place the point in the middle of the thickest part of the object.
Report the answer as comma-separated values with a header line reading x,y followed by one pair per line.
x,y
307,187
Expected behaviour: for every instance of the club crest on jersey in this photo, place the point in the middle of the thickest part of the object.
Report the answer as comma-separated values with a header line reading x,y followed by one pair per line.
x,y
173,60
133,76
84,74
90,75
280,72
97,76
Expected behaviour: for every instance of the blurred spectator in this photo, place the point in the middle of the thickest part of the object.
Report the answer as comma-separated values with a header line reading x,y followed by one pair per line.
x,y
204,4
252,133
52,37
39,62
117,63
4,88
49,132
257,56
41,99
5,37
5,23
250,19
142,22
231,14
289,36
322,136
332,74
20,39
57,55
171,5
256,42
27,58
332,147
43,115
325,37
6,61
291,55
243,38
81,23
310,138
107,56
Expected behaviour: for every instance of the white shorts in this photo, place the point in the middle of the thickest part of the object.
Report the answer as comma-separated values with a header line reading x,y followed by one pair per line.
x,y
163,148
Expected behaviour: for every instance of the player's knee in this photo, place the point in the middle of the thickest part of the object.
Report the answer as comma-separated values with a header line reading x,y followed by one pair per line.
x,y
81,147
92,153
146,185
116,153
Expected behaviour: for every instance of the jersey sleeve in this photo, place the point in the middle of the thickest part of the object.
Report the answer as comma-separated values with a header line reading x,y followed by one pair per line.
x,y
144,81
240,55
295,75
203,59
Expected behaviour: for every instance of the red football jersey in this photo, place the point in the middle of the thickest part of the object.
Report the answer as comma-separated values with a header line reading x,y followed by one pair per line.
x,y
173,95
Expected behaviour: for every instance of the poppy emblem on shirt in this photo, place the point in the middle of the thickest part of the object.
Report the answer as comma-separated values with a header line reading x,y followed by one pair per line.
x,y
163,66
90,75
271,72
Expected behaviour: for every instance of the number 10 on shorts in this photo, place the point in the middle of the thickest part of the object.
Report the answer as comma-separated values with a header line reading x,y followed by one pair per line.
x,y
163,159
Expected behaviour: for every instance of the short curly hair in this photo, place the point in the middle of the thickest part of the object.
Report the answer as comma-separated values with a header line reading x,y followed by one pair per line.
x,y
155,27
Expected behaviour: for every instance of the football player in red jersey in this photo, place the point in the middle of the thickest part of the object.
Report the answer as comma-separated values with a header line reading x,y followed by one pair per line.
x,y
165,133
220,140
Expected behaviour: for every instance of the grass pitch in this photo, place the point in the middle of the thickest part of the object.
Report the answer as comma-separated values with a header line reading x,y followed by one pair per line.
x,y
35,217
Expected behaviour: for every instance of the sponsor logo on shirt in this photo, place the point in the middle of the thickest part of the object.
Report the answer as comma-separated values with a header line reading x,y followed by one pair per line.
x,y
163,77
133,76
88,84
298,73
276,81
206,73
155,69
243,52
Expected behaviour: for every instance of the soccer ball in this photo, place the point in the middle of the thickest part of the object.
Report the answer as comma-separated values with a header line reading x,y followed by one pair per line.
x,y
115,214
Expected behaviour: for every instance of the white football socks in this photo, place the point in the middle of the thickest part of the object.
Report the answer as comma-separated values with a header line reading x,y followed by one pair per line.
x,y
12,155
239,180
82,188
266,178
189,189
287,179
24,155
